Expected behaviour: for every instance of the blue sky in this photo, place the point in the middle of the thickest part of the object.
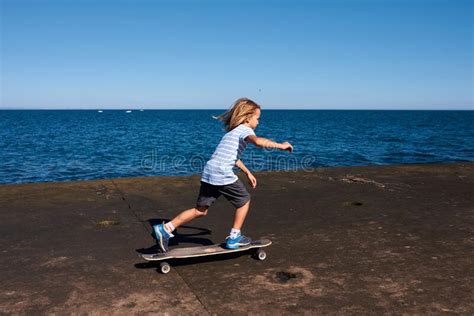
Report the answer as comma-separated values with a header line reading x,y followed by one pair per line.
x,y
371,54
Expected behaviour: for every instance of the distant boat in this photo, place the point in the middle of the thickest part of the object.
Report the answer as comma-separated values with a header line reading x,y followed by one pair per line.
x,y
141,110
100,111
128,111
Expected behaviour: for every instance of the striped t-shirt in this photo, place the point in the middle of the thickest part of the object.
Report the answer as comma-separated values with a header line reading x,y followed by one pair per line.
x,y
218,170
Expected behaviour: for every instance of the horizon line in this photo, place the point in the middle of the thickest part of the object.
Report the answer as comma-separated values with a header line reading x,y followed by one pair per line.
x,y
225,109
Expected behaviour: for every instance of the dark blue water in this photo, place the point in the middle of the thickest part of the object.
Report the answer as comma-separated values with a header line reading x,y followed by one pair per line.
x,y
38,146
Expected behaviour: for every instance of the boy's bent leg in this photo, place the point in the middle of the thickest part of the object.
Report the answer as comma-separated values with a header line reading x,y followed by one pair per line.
x,y
236,193
236,239
240,215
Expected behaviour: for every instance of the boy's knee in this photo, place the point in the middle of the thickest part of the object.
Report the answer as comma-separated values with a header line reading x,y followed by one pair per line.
x,y
201,210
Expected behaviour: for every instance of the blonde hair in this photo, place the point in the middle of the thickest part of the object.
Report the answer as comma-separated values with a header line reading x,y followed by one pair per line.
x,y
242,110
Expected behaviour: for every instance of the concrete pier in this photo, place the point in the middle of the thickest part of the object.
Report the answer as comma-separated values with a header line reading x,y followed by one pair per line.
x,y
347,240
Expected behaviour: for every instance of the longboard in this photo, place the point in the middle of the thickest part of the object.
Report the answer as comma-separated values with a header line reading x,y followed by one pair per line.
x,y
201,251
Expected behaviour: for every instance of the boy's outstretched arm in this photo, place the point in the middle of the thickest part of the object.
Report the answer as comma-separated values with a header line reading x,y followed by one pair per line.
x,y
267,143
252,179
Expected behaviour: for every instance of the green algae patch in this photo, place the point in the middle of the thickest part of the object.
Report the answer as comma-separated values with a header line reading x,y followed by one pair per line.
x,y
107,223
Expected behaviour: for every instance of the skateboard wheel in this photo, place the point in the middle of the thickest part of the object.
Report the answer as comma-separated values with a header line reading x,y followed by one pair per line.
x,y
165,267
261,254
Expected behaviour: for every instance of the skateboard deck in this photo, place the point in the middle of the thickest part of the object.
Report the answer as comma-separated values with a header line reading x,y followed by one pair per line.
x,y
200,251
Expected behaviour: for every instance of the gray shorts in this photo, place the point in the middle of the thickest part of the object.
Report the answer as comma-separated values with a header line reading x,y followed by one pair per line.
x,y
235,193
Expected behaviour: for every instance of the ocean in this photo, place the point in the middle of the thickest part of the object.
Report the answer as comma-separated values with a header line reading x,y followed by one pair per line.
x,y
67,145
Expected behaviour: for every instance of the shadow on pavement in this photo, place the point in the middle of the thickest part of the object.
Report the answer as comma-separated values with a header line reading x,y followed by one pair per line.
x,y
194,260
189,238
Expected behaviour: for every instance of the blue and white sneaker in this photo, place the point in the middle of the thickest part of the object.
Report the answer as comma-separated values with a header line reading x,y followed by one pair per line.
x,y
239,241
162,236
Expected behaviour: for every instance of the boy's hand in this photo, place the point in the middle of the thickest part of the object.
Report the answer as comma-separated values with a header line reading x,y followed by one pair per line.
x,y
287,146
252,180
